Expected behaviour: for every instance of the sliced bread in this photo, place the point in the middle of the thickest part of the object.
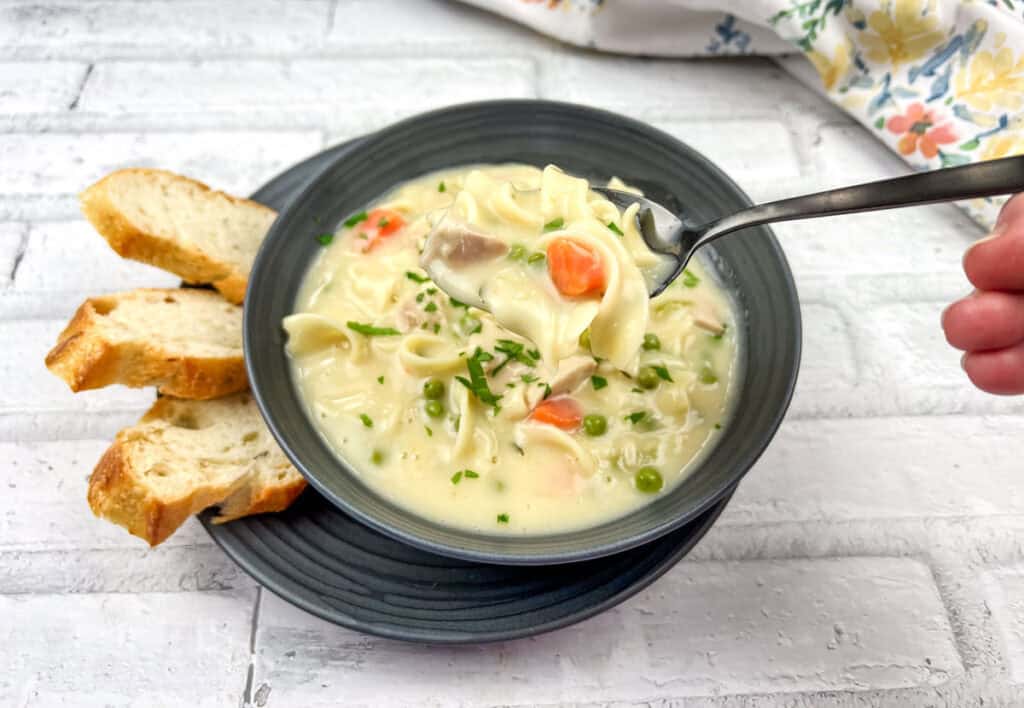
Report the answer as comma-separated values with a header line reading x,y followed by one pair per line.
x,y
186,456
187,342
180,225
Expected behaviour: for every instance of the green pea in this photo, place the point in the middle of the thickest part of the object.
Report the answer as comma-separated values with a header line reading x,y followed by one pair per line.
x,y
651,342
433,388
435,409
470,324
648,377
585,338
517,252
648,480
707,375
594,425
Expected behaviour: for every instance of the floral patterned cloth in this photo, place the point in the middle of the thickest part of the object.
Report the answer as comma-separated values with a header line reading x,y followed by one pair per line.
x,y
941,82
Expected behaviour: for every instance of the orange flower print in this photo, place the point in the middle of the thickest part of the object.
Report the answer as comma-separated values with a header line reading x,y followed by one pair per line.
x,y
921,130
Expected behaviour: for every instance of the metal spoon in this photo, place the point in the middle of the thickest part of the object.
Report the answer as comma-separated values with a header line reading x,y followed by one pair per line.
x,y
678,239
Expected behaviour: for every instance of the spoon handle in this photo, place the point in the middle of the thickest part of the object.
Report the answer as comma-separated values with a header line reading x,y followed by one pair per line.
x,y
981,179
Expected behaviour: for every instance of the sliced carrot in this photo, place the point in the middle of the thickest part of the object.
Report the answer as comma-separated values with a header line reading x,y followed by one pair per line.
x,y
574,268
379,224
562,412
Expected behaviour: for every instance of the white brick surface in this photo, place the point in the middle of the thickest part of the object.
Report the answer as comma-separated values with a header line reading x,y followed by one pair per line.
x,y
871,558
890,468
124,649
97,29
705,629
304,92
43,87
1004,595
41,174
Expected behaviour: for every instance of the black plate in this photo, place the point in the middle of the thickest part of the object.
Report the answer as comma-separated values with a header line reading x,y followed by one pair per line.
x,y
319,559
584,141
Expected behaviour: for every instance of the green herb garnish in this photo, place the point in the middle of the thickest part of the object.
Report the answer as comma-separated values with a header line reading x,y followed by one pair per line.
x,y
598,382
662,372
437,327
636,417
470,474
513,350
528,378
367,420
355,219
440,187
380,379
420,296
615,229
457,303
430,307
416,277
325,239
718,337
547,391
477,381
554,224
502,518
377,457
371,331
689,279
430,433
535,258
457,477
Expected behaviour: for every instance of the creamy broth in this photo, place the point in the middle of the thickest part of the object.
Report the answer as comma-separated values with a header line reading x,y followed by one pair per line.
x,y
441,409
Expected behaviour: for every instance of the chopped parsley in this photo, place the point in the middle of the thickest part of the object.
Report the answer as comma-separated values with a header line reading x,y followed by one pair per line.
x,y
482,355
615,229
371,331
636,417
470,474
528,378
554,224
457,303
431,291
355,219
325,239
416,277
689,279
441,188
513,351
535,258
457,477
707,375
430,433
718,337
367,420
598,382
502,518
381,223
718,426
420,296
662,372
380,379
430,307
547,391
437,327
477,381
636,389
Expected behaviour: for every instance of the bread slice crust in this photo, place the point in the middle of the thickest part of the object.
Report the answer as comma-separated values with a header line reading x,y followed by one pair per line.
x,y
87,357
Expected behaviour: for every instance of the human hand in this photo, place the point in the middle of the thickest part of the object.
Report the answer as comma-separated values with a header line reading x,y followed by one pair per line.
x,y
988,324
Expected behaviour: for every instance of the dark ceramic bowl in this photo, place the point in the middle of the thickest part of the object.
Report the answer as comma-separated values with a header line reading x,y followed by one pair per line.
x,y
583,141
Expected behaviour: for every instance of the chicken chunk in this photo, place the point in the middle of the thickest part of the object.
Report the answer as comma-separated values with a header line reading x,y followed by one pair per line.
x,y
457,245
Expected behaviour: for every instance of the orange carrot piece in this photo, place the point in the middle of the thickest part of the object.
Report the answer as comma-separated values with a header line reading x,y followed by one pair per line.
x,y
379,224
562,412
575,269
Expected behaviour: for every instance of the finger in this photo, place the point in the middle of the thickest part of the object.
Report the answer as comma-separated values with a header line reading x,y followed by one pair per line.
x,y
997,262
985,320
1013,210
1000,371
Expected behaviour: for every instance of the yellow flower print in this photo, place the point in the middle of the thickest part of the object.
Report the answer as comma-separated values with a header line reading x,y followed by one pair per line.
x,y
992,80
901,32
832,70
1003,145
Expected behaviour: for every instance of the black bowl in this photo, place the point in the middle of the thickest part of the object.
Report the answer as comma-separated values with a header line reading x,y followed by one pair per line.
x,y
583,141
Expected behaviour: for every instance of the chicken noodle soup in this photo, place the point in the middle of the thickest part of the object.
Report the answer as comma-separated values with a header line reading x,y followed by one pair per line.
x,y
576,401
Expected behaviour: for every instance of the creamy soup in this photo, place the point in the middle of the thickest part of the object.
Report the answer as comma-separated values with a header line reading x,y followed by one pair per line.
x,y
573,400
